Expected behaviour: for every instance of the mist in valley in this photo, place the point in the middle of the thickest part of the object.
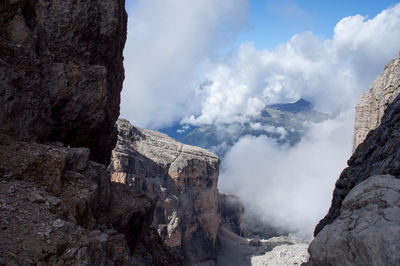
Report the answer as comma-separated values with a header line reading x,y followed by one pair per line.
x,y
190,72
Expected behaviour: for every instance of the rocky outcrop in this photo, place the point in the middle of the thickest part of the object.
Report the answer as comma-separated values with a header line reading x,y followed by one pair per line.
x,y
183,180
232,211
58,207
61,71
367,231
378,154
61,74
373,103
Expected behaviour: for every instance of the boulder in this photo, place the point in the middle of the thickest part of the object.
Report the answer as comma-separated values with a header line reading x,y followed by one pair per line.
x,y
367,231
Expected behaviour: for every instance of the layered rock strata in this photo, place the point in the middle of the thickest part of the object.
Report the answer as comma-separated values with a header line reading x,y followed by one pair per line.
x,y
183,180
373,102
61,71
367,232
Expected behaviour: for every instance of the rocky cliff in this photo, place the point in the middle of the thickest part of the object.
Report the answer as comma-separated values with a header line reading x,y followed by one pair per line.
x,y
373,102
367,231
363,216
57,56
183,180
61,75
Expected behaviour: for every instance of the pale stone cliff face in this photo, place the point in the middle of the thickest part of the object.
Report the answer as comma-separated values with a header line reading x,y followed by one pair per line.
x,y
182,178
61,75
61,71
374,102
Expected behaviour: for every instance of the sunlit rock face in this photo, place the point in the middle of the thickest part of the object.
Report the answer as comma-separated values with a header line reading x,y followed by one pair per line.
x,y
374,102
183,180
61,71
367,232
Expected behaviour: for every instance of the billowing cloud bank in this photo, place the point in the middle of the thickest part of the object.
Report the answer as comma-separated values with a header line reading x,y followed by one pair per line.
x,y
167,42
290,188
330,73
172,75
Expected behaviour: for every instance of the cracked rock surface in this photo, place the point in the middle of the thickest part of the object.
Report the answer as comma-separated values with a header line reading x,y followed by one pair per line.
x,y
373,103
367,232
61,71
183,180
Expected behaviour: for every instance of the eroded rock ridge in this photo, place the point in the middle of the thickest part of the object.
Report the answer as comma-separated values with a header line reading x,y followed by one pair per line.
x,y
183,180
374,102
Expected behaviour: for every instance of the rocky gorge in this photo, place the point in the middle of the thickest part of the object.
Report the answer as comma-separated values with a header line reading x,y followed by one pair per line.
x,y
157,202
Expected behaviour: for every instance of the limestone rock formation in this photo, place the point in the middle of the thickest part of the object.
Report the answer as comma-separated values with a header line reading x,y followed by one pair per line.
x,y
61,75
61,71
378,154
58,207
367,232
373,102
183,180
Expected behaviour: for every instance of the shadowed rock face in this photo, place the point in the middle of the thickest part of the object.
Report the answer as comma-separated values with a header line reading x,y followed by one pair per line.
x,y
373,103
378,154
61,75
61,71
182,178
367,232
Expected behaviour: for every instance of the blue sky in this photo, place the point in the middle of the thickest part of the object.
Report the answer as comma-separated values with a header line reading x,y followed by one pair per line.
x,y
215,62
251,53
274,21
271,22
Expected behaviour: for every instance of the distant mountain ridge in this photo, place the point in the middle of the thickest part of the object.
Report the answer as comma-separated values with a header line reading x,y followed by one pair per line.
x,y
284,122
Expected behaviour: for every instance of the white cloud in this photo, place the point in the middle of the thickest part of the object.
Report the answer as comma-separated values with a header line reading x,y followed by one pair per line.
x,y
331,73
290,187
167,41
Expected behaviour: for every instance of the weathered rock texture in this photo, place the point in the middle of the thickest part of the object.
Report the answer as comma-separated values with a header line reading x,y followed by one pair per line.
x,y
59,208
367,232
373,103
61,75
183,180
378,154
61,71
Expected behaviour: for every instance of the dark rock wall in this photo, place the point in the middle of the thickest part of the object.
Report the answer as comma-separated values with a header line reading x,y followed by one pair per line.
x,y
61,71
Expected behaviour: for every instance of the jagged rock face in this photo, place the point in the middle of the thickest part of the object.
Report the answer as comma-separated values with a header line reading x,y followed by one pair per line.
x,y
367,232
373,103
182,178
378,154
61,71
59,208
232,210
